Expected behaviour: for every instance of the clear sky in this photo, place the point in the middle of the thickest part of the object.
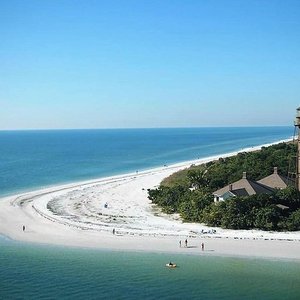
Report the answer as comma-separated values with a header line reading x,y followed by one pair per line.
x,y
155,63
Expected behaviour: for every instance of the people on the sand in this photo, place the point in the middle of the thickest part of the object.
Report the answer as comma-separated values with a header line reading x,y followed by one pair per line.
x,y
186,242
105,205
114,231
180,244
202,246
23,228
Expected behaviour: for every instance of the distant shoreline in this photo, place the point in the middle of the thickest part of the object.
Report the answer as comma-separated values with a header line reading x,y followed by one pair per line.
x,y
85,214
47,167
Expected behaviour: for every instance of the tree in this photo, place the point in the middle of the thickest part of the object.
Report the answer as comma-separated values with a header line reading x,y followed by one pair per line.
x,y
289,197
197,178
267,218
293,222
193,204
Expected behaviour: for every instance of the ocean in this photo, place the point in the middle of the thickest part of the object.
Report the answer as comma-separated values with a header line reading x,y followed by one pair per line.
x,y
34,159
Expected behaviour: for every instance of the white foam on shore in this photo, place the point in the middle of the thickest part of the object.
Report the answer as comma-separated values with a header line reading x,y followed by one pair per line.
x,y
86,213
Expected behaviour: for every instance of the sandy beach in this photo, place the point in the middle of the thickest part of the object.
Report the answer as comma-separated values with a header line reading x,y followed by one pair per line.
x,y
115,213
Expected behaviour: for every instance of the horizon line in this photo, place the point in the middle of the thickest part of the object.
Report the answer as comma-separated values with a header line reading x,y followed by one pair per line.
x,y
127,128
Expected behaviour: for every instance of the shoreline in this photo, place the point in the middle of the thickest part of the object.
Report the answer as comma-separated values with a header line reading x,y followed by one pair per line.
x,y
179,251
75,215
184,163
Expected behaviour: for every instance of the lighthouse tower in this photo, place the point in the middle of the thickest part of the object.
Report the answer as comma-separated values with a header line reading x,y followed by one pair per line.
x,y
297,125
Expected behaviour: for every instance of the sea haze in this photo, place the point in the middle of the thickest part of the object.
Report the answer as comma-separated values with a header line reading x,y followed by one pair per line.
x,y
34,159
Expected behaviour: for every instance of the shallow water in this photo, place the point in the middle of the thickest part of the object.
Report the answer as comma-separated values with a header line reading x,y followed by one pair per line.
x,y
46,272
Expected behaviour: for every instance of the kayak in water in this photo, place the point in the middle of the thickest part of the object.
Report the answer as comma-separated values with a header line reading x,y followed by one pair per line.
x,y
171,265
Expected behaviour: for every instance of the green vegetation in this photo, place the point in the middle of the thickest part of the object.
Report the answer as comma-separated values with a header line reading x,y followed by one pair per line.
x,y
189,192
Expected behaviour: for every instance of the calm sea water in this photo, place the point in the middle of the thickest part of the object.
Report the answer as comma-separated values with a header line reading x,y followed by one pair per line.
x,y
46,272
33,159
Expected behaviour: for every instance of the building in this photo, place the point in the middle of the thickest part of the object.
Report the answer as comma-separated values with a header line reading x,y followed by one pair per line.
x,y
248,187
275,180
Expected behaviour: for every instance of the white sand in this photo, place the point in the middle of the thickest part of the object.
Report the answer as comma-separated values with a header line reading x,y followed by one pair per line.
x,y
75,215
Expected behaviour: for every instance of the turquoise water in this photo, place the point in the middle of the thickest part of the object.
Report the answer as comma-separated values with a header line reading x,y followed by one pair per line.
x,y
46,272
31,159
34,159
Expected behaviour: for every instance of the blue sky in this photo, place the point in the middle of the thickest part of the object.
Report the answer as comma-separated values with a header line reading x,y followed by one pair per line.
x,y
119,64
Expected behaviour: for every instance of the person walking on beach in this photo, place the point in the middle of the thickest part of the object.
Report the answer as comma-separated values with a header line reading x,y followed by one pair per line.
x,y
185,242
23,228
114,231
180,244
202,246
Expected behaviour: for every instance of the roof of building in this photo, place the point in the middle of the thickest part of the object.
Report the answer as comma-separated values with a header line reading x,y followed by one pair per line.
x,y
240,192
245,187
275,180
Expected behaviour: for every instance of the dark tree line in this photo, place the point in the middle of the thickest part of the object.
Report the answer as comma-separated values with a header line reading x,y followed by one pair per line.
x,y
189,192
